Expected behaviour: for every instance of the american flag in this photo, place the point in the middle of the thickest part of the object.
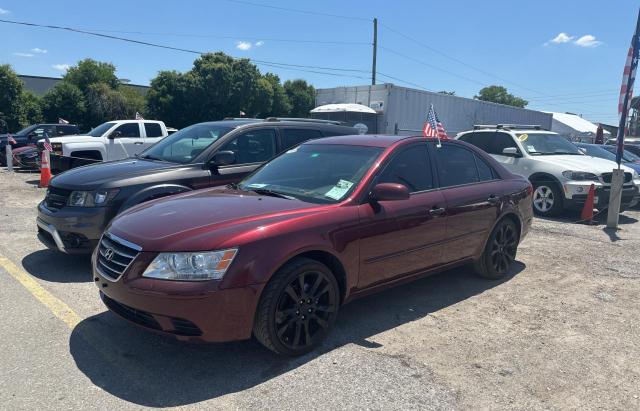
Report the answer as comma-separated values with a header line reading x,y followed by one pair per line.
x,y
139,116
47,142
433,127
626,90
10,139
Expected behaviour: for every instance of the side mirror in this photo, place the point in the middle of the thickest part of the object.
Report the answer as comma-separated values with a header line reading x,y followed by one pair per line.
x,y
114,134
223,158
511,152
389,192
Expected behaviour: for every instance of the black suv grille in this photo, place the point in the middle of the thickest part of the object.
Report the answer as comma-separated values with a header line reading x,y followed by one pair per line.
x,y
607,177
56,198
114,256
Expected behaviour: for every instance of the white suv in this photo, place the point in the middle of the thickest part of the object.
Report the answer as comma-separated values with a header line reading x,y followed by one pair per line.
x,y
113,140
559,172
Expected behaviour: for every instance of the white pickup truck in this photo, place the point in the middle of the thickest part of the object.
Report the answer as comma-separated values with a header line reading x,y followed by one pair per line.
x,y
113,140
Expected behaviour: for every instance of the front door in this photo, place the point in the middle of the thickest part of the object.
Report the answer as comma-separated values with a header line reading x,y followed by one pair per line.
x,y
402,237
127,141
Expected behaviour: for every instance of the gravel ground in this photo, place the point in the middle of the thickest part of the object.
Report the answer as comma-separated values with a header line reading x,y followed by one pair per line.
x,y
561,332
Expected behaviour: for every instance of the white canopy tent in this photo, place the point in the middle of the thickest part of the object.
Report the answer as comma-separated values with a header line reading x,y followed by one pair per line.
x,y
353,108
575,127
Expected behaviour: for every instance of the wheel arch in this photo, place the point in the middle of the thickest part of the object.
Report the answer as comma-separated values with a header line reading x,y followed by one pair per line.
x,y
89,154
541,177
153,192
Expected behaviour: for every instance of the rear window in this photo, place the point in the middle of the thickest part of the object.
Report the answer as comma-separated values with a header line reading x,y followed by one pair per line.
x,y
295,136
153,129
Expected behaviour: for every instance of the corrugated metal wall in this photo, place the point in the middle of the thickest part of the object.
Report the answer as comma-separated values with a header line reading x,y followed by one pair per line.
x,y
408,108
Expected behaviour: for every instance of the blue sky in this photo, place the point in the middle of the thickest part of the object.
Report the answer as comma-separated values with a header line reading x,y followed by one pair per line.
x,y
470,44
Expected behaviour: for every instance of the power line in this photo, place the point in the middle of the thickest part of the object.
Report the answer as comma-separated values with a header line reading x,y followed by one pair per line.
x,y
313,13
145,43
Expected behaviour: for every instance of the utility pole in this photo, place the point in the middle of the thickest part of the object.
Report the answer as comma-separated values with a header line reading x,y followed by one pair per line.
x,y
375,51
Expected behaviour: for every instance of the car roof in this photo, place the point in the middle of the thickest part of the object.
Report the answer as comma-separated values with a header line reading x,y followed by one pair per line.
x,y
371,140
507,130
234,123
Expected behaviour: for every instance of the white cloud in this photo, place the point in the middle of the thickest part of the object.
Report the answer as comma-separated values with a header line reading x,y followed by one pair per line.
x,y
3,11
61,67
23,54
588,41
561,38
243,45
259,43
39,50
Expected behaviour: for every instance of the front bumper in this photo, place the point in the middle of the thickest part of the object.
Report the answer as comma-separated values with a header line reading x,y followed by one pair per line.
x,y
576,195
72,230
191,311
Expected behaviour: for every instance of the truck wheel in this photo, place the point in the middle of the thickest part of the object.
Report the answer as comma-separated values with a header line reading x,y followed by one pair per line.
x,y
547,199
297,308
500,251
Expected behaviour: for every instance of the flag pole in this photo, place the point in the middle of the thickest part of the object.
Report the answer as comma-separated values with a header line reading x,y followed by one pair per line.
x,y
617,178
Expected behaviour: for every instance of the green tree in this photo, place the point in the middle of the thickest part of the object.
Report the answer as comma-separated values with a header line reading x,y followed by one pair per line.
x,y
499,94
29,109
88,72
135,102
104,103
301,96
10,92
64,100
262,101
166,98
281,106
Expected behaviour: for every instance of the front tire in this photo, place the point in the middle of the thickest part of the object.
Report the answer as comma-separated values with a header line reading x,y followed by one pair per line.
x,y
547,199
297,308
500,251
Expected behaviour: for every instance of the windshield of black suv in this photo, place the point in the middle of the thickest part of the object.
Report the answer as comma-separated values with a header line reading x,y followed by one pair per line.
x,y
540,144
185,145
26,130
313,173
101,129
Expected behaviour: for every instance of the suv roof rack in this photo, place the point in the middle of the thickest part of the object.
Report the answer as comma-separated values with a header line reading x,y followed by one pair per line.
x,y
508,126
305,120
241,118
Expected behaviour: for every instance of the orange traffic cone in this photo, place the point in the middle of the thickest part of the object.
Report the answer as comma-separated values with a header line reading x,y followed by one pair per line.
x,y
587,210
45,170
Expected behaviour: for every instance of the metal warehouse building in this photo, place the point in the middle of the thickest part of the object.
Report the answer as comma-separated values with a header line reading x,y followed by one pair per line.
x,y
403,110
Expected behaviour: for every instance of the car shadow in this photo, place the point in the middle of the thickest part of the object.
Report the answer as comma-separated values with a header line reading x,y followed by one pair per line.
x,y
599,218
57,267
157,371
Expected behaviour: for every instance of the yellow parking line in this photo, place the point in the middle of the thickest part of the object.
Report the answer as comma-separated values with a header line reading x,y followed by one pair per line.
x,y
54,304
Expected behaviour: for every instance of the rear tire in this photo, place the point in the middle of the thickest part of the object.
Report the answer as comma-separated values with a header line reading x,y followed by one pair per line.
x,y
500,251
547,199
297,308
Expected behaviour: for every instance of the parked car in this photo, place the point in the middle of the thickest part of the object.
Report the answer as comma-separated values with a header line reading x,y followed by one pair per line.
x,y
29,136
631,144
113,140
80,202
26,157
609,153
560,173
330,220
627,155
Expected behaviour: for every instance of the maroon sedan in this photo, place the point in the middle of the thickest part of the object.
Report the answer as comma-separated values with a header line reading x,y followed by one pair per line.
x,y
330,220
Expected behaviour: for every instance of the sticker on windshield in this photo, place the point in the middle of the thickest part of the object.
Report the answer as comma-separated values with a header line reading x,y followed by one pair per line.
x,y
257,185
523,137
339,190
531,148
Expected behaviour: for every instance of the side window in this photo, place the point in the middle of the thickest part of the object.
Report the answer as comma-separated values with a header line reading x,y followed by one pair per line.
x,y
63,130
255,146
456,166
410,168
128,130
294,136
485,172
153,129
482,140
39,132
500,142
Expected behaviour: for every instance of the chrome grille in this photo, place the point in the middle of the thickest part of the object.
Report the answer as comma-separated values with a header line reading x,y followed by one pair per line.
x,y
56,197
115,255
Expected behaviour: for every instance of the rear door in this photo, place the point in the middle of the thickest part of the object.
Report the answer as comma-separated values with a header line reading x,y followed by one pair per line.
x,y
127,141
153,133
251,148
402,237
473,193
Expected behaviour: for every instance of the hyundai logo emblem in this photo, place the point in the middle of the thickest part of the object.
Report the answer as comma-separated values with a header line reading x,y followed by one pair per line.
x,y
108,254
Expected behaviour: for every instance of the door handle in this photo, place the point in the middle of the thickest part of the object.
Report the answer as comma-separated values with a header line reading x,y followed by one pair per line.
x,y
138,143
436,212
493,199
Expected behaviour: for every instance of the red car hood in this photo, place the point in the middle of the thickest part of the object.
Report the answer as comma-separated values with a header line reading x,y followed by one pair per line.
x,y
204,219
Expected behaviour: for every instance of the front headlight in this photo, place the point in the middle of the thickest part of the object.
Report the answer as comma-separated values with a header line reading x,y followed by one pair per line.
x,y
635,175
57,148
580,176
91,198
194,266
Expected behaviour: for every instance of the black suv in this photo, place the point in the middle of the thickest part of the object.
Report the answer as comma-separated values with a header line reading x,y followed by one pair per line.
x,y
81,202
30,135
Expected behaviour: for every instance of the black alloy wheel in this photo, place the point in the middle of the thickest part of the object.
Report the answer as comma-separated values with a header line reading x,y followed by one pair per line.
x,y
500,251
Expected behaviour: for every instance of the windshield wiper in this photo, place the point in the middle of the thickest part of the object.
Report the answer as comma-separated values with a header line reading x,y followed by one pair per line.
x,y
149,157
267,192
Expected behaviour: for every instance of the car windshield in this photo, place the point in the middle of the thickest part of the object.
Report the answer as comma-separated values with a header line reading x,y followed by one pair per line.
x,y
26,130
101,129
597,151
314,173
626,156
547,144
185,145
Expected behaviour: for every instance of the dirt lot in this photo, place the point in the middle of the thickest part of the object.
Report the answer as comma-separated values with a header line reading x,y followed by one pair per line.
x,y
561,332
